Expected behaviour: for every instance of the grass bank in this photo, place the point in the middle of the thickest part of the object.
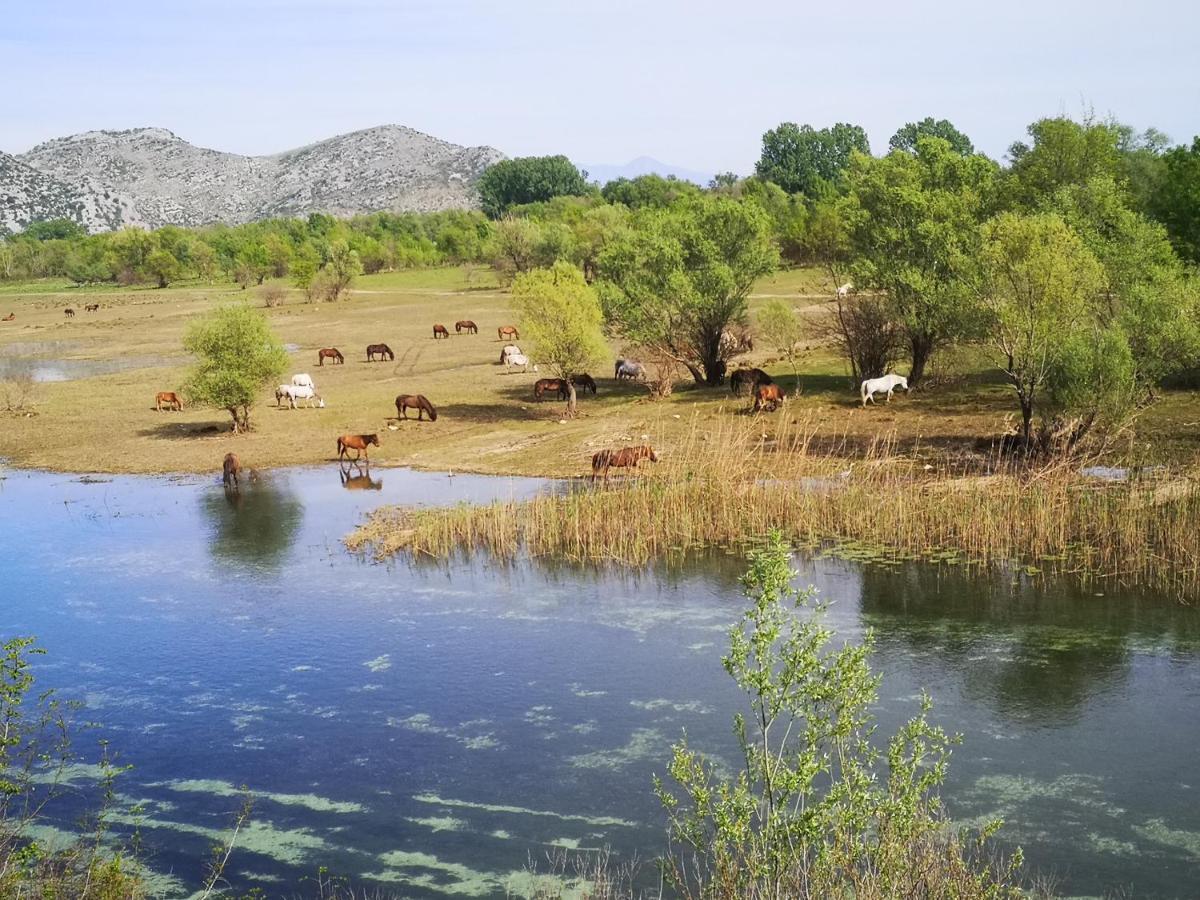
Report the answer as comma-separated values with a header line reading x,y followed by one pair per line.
x,y
723,485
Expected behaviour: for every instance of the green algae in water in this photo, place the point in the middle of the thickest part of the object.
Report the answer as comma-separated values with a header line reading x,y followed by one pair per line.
x,y
1158,831
599,821
644,743
216,788
379,663
440,823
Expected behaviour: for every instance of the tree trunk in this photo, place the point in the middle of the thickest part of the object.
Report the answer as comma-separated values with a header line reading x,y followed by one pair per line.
x,y
1026,421
696,373
570,399
920,348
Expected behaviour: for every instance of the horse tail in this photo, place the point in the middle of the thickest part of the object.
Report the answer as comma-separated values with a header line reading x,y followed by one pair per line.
x,y
862,393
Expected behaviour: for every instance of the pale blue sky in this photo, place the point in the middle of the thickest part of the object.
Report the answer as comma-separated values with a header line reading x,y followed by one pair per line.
x,y
691,83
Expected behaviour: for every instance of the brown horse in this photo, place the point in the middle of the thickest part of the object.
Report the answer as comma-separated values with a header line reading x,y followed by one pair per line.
x,y
170,399
229,471
91,307
748,380
466,325
357,442
69,313
419,402
767,395
585,382
330,353
508,331
360,482
383,351
440,331
550,384
626,457
9,317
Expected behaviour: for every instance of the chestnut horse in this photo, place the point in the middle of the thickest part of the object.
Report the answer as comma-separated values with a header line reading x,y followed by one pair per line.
x,y
69,313
229,471
466,325
626,457
585,382
508,331
170,399
330,353
742,379
419,402
357,442
383,351
440,331
767,394
550,384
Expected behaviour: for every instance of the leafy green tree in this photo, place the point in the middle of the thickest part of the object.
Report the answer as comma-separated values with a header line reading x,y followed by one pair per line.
x,y
647,190
163,267
1175,200
341,267
237,356
788,212
914,228
1063,152
801,159
515,243
682,275
906,137
780,327
815,809
560,317
54,230
529,179
204,260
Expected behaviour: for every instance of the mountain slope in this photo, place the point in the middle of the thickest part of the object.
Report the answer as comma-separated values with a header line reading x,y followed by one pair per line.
x,y
27,195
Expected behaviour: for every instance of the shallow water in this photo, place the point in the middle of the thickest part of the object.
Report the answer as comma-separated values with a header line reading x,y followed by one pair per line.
x,y
429,727
48,361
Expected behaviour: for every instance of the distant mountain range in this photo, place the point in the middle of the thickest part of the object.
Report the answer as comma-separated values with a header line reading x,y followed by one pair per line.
x,y
150,177
644,165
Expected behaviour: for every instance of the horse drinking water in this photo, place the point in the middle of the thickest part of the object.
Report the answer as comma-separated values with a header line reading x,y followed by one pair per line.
x,y
229,471
887,383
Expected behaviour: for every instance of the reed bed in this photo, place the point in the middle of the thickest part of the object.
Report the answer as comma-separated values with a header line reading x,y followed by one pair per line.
x,y
727,484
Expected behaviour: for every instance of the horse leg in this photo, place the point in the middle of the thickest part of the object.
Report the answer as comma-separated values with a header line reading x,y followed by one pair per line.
x,y
889,399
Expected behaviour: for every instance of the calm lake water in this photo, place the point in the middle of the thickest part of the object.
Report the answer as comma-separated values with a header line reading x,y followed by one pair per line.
x,y
428,728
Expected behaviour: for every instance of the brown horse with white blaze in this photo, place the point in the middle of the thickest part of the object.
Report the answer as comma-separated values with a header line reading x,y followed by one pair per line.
x,y
358,443
419,402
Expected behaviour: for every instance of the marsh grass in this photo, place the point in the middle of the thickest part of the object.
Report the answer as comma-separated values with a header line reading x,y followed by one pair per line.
x,y
728,481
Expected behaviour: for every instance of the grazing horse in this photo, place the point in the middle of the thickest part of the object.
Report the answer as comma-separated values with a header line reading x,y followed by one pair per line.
x,y
466,325
303,379
9,317
383,351
229,471
517,359
440,331
585,382
69,313
748,378
419,402
91,307
626,457
330,353
169,399
550,384
294,393
507,351
508,331
627,368
887,383
767,394
356,442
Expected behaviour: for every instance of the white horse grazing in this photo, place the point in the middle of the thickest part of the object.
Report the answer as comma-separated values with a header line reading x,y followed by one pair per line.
x,y
294,393
517,359
844,290
509,350
627,368
303,380
887,383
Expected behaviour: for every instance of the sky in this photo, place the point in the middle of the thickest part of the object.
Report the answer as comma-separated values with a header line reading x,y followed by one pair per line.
x,y
694,84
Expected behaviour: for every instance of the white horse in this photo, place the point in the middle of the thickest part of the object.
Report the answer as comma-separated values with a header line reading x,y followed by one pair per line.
x,y
303,380
509,350
517,359
294,393
887,383
627,368
844,290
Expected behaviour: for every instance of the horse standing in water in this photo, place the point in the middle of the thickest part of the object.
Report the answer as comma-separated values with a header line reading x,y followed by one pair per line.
x,y
229,472
330,353
466,325
887,383
419,402
358,443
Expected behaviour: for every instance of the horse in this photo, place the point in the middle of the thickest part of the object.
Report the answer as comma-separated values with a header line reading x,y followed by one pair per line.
x,y
9,317
419,402
508,331
356,442
170,399
303,379
887,383
466,325
229,471
626,457
517,359
91,307
295,392
550,384
383,351
440,331
330,353
627,368
585,382
363,482
69,313
748,378
507,351
732,342
845,290
767,394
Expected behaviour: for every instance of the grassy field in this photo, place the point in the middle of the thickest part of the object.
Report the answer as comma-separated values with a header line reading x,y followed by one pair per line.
x,y
488,420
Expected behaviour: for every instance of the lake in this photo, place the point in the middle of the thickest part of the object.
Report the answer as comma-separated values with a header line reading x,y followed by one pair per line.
x,y
427,728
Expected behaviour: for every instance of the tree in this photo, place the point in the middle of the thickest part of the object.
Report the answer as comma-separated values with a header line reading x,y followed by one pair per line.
x,y
1064,152
560,317
647,190
54,230
914,227
682,275
529,179
237,357
906,137
341,267
514,246
162,267
779,325
801,158
1175,200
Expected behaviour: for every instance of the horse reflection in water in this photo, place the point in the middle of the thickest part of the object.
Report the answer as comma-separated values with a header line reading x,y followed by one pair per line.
x,y
361,481
255,522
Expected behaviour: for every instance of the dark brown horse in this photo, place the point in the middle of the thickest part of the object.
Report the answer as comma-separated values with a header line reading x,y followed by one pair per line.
x,y
626,457
550,384
229,471
508,331
419,402
91,307
585,382
330,353
357,442
383,351
767,395
169,399
440,331
748,380
466,325
69,313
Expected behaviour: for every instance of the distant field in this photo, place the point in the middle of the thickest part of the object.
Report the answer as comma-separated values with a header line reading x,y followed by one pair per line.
x,y
488,420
